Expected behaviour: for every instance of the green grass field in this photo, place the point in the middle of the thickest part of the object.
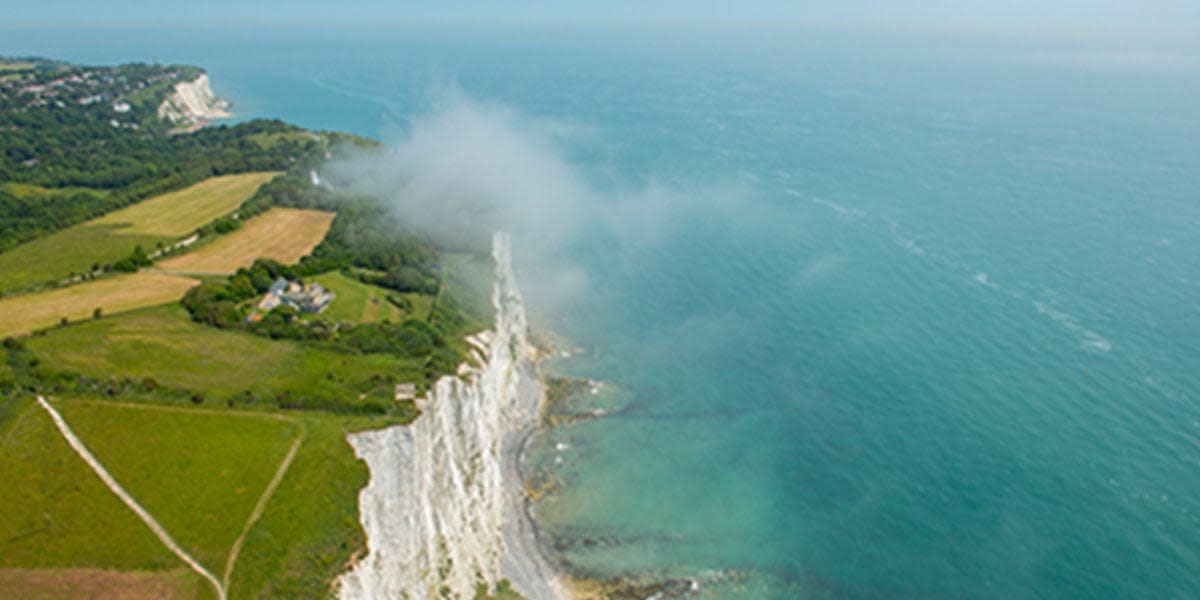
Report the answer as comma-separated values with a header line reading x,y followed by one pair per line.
x,y
163,343
199,473
310,528
178,213
266,140
357,302
57,513
112,237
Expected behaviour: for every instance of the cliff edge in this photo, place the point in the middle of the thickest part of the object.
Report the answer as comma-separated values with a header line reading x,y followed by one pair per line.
x,y
192,104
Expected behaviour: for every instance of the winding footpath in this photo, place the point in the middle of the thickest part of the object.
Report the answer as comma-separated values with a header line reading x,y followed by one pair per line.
x,y
220,586
161,533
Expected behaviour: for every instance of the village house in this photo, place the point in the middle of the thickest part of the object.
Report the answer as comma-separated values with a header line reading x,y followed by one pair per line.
x,y
309,297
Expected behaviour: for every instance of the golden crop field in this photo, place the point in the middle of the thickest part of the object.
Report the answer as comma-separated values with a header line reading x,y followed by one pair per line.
x,y
23,314
101,241
282,234
181,212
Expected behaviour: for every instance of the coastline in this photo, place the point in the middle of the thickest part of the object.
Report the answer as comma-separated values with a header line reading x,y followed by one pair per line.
x,y
526,564
446,509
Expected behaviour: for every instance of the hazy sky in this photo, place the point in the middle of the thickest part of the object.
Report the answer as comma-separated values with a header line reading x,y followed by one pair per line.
x,y
938,13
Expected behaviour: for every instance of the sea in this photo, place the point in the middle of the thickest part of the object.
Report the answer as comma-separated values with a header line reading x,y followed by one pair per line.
x,y
866,314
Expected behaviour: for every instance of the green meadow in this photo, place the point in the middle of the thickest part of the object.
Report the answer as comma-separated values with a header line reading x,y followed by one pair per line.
x,y
358,302
199,473
163,343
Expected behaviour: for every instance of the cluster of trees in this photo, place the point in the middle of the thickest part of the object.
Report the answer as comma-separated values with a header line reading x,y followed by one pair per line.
x,y
368,236
225,304
136,260
116,167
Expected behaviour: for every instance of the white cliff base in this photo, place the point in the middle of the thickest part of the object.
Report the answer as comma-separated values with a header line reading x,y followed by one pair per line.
x,y
446,509
193,103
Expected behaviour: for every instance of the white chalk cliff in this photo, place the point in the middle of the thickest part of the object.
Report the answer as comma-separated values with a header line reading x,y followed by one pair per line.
x,y
192,102
445,509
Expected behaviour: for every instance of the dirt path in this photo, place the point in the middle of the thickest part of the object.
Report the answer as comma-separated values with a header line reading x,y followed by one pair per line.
x,y
261,507
222,586
161,533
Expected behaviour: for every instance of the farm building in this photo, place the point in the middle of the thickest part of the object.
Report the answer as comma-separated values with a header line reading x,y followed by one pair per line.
x,y
308,297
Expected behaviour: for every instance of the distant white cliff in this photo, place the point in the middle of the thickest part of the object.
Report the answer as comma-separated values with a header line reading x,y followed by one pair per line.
x,y
192,103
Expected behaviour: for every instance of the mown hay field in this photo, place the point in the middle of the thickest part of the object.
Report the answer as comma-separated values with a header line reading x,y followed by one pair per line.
x,y
24,314
105,240
179,213
282,234
56,584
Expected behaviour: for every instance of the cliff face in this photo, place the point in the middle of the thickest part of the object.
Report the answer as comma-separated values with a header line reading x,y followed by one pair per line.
x,y
443,490
193,102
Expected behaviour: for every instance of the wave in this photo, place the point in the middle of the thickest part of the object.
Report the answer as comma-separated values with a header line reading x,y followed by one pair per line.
x,y
1089,339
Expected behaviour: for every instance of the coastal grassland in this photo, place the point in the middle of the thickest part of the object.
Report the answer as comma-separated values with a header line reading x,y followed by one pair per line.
x,y
164,344
199,472
105,240
282,234
57,513
23,314
358,302
310,529
179,213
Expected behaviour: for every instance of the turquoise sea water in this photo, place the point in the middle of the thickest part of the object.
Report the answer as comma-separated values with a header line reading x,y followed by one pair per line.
x,y
920,320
